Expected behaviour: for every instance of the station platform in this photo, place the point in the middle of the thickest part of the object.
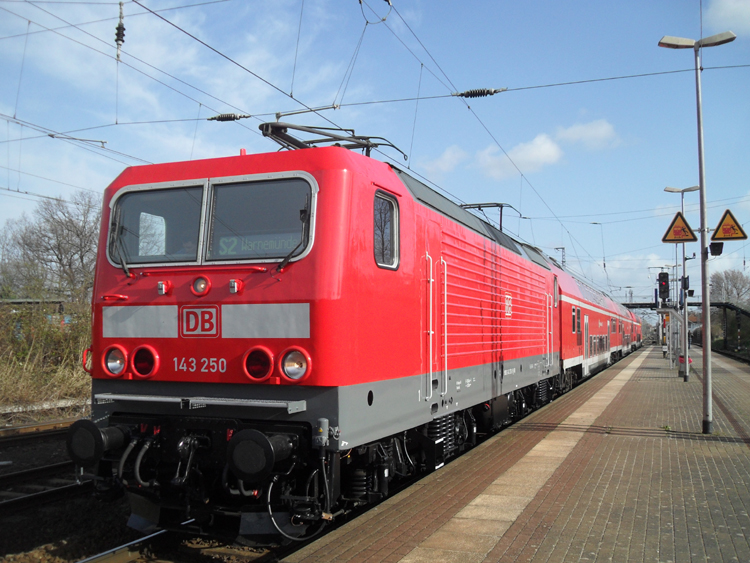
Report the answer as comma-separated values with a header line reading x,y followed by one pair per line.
x,y
616,470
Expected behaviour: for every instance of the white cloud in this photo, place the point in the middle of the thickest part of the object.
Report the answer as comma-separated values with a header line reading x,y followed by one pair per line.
x,y
446,162
528,157
729,14
597,134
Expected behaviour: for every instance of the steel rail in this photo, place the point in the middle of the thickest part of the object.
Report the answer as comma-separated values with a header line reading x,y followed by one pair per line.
x,y
15,435
39,485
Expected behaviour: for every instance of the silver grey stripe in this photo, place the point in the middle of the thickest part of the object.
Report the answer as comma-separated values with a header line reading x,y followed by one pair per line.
x,y
275,320
140,322
201,402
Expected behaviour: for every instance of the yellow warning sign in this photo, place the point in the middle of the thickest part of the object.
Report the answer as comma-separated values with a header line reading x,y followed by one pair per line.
x,y
728,229
679,231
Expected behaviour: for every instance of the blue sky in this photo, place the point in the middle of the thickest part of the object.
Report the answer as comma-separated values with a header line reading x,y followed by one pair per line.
x,y
563,155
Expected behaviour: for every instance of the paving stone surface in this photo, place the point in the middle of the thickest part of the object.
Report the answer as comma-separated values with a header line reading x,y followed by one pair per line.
x,y
617,470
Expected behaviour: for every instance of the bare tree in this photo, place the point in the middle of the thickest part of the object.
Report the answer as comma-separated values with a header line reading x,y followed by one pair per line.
x,y
52,253
730,285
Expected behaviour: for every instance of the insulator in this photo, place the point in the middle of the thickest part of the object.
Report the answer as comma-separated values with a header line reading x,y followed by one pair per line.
x,y
120,33
479,93
228,117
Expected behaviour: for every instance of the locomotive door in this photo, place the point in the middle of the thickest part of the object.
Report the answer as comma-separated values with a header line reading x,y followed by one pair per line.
x,y
550,324
436,309
586,345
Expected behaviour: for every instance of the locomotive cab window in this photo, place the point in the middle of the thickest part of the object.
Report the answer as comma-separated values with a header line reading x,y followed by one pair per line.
x,y
261,220
156,226
386,231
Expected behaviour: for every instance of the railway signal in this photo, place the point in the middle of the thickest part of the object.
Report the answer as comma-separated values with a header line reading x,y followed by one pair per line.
x,y
664,285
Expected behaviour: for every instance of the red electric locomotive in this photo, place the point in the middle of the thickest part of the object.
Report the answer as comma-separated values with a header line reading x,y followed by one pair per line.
x,y
276,337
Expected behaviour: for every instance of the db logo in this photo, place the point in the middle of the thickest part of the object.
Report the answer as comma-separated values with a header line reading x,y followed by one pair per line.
x,y
196,322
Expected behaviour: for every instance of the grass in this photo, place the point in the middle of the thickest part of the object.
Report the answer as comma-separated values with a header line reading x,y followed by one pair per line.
x,y
40,351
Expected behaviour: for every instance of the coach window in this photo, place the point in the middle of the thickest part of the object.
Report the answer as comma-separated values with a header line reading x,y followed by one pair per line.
x,y
574,320
386,232
578,321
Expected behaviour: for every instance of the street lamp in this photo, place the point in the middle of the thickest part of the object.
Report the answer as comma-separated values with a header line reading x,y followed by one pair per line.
x,y
682,43
685,367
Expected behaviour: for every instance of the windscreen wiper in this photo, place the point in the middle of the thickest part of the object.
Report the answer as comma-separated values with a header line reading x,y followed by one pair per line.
x,y
119,247
304,216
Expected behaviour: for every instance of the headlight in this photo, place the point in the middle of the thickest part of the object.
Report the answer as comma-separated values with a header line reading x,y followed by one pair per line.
x,y
295,364
200,286
114,361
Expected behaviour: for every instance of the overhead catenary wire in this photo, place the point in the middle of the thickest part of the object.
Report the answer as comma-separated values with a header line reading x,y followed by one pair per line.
x,y
296,49
95,127
416,110
237,64
91,22
349,69
50,179
133,67
23,62
79,143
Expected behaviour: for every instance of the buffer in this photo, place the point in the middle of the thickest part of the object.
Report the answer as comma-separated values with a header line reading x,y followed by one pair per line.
x,y
679,230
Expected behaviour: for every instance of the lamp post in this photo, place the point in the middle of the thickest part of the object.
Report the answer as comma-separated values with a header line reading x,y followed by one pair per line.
x,y
671,341
683,43
685,367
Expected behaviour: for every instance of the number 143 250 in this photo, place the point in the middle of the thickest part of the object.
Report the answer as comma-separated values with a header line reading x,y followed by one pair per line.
x,y
202,365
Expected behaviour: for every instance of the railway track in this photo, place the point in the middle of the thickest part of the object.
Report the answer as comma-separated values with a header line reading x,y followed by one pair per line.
x,y
168,546
37,485
29,433
25,489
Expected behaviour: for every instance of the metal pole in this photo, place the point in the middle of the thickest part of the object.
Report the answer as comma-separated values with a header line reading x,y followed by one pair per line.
x,y
686,341
705,288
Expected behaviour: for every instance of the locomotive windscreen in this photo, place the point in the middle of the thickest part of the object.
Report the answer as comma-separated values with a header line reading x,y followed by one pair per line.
x,y
156,226
258,220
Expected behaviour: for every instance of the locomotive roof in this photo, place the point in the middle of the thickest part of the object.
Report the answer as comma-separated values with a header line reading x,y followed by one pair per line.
x,y
431,198
442,204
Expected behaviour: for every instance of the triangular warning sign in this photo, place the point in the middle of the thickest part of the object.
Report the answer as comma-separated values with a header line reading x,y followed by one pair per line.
x,y
728,229
679,231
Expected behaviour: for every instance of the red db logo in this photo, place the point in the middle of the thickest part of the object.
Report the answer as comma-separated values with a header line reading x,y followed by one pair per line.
x,y
199,322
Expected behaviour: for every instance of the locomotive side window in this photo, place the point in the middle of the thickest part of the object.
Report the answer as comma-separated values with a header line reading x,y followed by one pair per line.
x,y
386,231
557,293
263,220
156,226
